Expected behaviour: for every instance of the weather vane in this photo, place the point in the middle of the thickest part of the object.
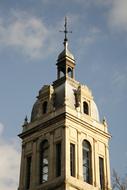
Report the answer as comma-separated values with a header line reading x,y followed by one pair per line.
x,y
66,30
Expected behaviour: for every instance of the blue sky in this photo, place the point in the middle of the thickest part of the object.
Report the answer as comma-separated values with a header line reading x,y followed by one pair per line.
x,y
29,45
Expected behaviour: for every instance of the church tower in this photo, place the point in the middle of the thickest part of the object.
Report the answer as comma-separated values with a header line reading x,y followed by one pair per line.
x,y
65,146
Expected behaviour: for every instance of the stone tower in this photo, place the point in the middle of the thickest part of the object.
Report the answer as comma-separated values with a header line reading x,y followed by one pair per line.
x,y
65,146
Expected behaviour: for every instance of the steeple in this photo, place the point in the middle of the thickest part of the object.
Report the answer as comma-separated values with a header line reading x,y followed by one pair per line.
x,y
64,144
66,62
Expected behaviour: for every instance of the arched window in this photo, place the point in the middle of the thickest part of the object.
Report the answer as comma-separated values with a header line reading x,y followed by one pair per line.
x,y
86,151
44,107
69,71
44,161
85,108
62,72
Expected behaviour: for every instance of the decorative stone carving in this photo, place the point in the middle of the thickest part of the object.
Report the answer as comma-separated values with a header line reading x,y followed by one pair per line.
x,y
77,94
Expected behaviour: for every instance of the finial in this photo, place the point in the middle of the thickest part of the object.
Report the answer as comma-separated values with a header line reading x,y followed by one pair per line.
x,y
26,120
104,121
65,32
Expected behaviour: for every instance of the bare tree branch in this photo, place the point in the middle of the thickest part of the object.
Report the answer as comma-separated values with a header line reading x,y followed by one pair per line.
x,y
118,183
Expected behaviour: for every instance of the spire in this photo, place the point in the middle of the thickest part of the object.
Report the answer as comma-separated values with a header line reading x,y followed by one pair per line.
x,y
66,52
66,31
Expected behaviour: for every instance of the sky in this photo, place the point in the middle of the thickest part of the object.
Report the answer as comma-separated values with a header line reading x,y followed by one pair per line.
x,y
30,43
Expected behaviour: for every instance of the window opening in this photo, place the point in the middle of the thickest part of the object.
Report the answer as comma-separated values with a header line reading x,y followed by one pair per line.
x,y
45,107
28,172
87,174
70,73
101,169
44,161
62,74
58,159
72,159
85,108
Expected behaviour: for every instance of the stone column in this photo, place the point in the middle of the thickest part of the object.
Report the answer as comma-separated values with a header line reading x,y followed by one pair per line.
x,y
96,158
108,178
79,156
66,151
51,157
38,161
22,167
95,167
34,166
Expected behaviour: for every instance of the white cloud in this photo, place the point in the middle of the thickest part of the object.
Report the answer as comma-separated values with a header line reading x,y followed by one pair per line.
x,y
120,79
116,11
9,164
119,85
92,34
118,15
26,33
1,128
93,2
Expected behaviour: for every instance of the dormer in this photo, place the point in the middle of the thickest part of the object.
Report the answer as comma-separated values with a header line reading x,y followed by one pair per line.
x,y
44,103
